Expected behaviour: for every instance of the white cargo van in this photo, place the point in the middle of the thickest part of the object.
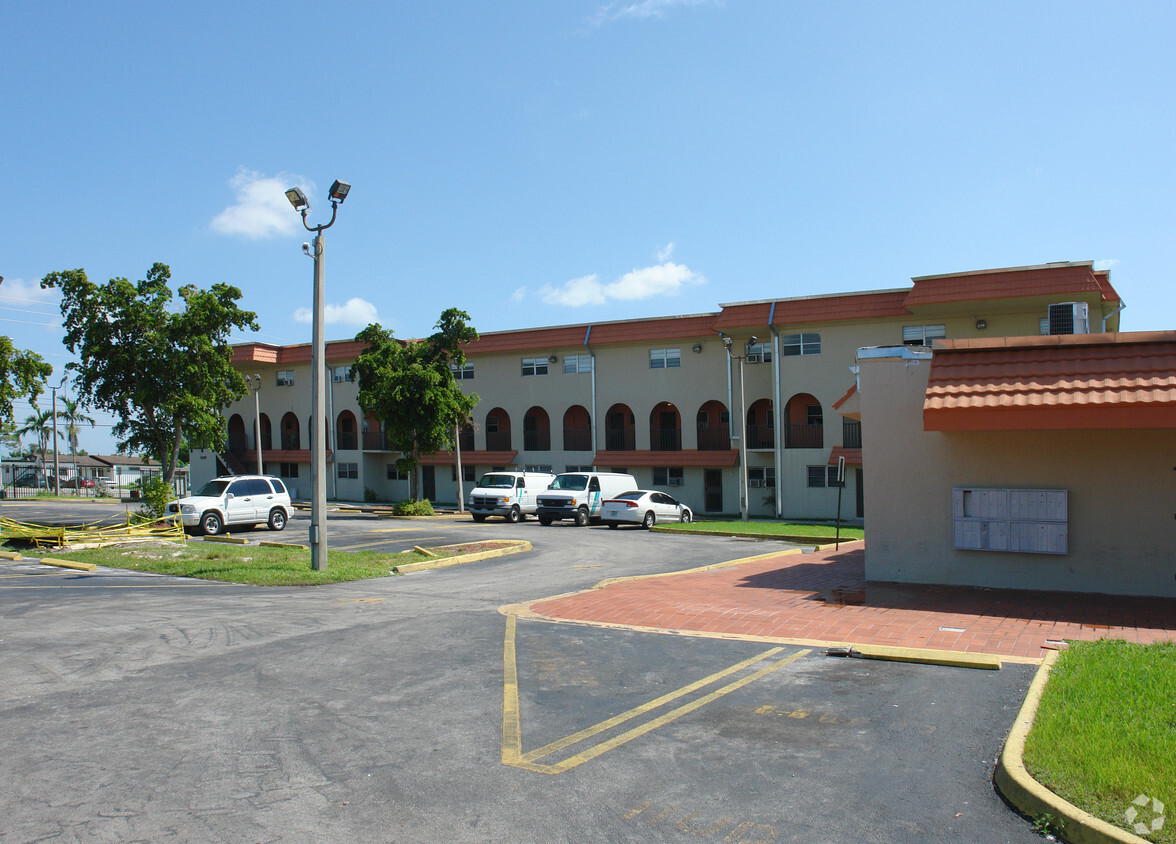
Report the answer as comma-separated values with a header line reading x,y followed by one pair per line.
x,y
507,494
578,495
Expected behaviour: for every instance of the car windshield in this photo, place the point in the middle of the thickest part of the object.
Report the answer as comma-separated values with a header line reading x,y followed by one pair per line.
x,y
213,489
497,481
569,482
632,496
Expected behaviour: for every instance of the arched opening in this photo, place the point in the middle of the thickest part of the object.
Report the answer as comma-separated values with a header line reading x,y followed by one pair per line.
x,y
620,429
714,426
290,433
498,430
577,424
536,430
238,439
665,428
267,433
761,425
345,433
805,422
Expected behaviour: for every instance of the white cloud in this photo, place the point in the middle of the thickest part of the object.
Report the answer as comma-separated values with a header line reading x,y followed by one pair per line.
x,y
356,312
1106,263
519,295
27,292
665,279
262,209
641,9
664,254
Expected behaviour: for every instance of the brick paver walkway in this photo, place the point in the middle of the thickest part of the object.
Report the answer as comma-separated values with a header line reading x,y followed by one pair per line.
x,y
824,597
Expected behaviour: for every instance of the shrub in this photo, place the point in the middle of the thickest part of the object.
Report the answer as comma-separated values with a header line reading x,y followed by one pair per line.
x,y
370,495
155,496
413,508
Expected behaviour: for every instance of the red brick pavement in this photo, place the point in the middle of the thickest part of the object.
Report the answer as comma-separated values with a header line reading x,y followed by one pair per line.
x,y
824,597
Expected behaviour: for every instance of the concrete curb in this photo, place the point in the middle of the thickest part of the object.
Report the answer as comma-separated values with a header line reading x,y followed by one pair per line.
x,y
1031,798
265,543
929,656
11,555
231,540
517,547
67,564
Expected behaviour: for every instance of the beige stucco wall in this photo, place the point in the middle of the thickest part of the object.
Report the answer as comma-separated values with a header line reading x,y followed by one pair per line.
x,y
1122,535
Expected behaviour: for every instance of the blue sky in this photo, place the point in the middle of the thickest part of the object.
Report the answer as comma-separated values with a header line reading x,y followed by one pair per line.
x,y
543,163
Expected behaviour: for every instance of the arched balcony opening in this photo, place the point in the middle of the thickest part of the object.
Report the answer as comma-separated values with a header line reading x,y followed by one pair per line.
x,y
345,433
714,427
291,436
267,433
665,428
577,425
620,432
238,439
536,430
761,425
465,437
805,426
372,434
498,430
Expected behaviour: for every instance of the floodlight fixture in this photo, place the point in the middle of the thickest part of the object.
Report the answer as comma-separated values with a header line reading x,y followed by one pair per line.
x,y
752,340
298,199
727,342
339,191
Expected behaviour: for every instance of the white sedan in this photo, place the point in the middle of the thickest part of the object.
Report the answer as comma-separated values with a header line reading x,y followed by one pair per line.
x,y
645,507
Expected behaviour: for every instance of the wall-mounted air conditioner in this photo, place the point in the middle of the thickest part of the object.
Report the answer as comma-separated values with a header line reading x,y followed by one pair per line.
x,y
1069,318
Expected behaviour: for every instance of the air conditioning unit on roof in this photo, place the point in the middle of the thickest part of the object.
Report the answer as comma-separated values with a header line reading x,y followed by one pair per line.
x,y
1069,318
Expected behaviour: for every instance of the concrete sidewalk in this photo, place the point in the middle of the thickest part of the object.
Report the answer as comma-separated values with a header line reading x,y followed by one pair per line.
x,y
824,598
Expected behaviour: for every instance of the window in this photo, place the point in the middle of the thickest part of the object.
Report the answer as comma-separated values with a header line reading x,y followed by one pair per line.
x,y
578,469
539,467
671,476
278,486
1043,325
347,471
464,373
665,358
342,373
758,477
395,474
287,470
831,473
467,473
817,476
286,378
922,335
800,344
812,415
762,352
534,366
577,363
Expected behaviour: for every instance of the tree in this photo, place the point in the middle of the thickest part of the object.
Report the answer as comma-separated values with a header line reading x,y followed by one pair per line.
x,y
22,375
164,374
410,387
39,424
73,418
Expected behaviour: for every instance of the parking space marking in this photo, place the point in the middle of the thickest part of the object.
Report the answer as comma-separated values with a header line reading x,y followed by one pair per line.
x,y
341,547
512,739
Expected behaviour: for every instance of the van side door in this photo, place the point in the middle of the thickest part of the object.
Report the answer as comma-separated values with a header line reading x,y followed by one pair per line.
x,y
593,495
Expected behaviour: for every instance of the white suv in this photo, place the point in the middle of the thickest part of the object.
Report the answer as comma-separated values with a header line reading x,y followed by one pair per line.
x,y
234,501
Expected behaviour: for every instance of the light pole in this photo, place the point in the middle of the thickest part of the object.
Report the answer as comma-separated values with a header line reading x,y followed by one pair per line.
x,y
743,505
56,473
254,384
318,439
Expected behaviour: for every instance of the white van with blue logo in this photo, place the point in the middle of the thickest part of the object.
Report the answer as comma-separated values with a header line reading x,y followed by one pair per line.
x,y
578,495
507,494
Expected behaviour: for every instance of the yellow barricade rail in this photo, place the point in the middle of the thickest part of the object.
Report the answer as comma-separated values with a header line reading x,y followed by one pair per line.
x,y
94,533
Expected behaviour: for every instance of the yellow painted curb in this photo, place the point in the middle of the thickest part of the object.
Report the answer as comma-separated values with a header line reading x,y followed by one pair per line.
x,y
268,544
424,551
67,564
928,656
232,540
445,562
10,555
1033,799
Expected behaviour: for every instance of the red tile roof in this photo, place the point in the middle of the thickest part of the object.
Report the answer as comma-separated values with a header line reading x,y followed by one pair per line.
x,y
470,458
1053,382
1067,279
853,456
686,457
600,334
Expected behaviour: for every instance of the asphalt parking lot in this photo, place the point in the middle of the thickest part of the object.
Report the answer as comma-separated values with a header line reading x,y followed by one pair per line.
x,y
139,707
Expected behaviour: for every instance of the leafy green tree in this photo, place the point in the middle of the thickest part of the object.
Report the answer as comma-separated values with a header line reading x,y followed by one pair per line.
x,y
39,424
22,375
411,389
163,372
74,418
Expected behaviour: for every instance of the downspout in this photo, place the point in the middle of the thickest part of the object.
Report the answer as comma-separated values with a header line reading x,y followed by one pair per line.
x,y
1106,318
592,416
777,421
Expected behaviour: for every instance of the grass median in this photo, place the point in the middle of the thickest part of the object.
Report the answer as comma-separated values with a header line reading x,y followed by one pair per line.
x,y
258,565
1105,732
773,528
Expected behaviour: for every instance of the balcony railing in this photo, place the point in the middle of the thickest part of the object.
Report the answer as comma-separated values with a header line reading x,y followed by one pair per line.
x,y
761,436
620,440
804,436
851,433
714,439
665,439
345,440
577,440
498,440
465,440
238,444
536,440
375,441
290,442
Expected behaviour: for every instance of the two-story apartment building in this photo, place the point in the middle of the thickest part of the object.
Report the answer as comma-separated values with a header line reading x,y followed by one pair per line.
x,y
661,398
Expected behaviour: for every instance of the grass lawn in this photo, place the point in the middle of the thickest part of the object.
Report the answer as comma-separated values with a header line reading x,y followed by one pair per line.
x,y
254,565
1105,732
820,531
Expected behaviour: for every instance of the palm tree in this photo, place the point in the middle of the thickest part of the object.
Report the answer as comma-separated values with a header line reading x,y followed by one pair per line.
x,y
39,423
73,418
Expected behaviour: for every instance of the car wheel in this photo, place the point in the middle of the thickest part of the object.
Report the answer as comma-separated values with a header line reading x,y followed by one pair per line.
x,y
686,517
581,517
514,515
211,524
649,521
612,524
479,517
545,520
277,519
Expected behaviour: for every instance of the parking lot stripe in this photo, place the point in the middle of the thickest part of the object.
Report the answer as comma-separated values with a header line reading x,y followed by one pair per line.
x,y
389,541
512,723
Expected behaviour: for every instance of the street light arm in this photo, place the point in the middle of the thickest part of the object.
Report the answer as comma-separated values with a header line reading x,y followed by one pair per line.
x,y
319,229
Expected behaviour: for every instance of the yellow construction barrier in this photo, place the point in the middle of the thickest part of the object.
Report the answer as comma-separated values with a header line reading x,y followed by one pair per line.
x,y
95,533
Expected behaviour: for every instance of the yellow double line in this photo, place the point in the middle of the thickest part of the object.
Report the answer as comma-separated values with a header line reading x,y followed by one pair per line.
x,y
512,737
